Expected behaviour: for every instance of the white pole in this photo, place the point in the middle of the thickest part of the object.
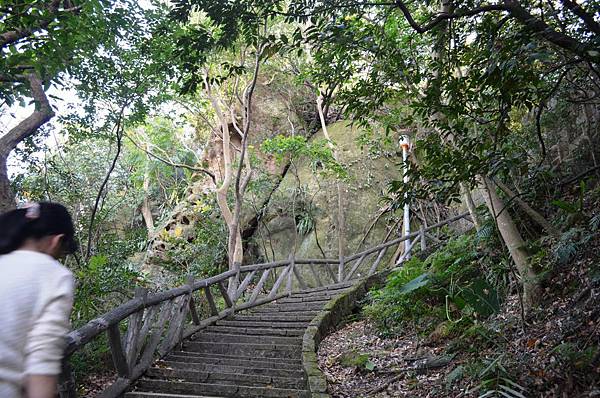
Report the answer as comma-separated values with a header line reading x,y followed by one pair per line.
x,y
405,144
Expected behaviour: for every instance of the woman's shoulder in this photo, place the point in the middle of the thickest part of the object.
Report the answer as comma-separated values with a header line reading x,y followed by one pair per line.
x,y
40,262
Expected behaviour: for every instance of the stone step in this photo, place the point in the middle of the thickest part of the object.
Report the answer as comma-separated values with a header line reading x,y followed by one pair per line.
x,y
140,394
241,357
264,325
275,317
329,288
184,363
241,338
303,306
255,331
244,349
253,380
306,299
220,390
276,309
236,360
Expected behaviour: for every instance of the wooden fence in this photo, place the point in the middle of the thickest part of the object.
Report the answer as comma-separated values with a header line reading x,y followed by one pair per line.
x,y
149,326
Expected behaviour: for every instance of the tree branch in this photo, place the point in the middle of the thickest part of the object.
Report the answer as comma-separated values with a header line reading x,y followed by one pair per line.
x,y
14,36
119,132
42,114
171,163
516,11
584,50
587,18
445,16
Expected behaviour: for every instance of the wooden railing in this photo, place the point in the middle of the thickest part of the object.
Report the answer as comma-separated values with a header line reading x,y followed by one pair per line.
x,y
149,326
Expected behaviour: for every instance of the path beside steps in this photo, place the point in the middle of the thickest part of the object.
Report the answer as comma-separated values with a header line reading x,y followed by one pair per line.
x,y
256,353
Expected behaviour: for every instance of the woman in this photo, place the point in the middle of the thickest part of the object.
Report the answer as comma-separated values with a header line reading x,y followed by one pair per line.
x,y
36,296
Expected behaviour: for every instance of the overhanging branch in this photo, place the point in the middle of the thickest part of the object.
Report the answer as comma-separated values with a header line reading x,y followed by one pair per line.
x,y
171,163
42,113
446,16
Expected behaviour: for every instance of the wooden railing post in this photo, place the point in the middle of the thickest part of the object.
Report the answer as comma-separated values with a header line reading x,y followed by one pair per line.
x,y
315,274
290,274
133,330
341,269
423,242
211,301
377,261
243,286
278,282
225,294
117,352
66,382
299,278
355,267
192,304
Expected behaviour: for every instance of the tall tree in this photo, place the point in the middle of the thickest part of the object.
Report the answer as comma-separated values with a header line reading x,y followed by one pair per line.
x,y
39,42
220,49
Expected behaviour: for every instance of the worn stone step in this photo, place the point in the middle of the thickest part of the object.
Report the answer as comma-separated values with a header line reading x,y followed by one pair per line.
x,y
328,288
141,394
176,362
264,325
254,380
245,349
236,360
304,306
279,308
221,390
241,338
255,331
307,299
275,317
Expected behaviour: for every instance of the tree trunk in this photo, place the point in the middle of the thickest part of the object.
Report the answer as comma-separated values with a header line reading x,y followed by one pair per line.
x,y
513,240
535,216
7,197
341,216
146,205
468,199
42,114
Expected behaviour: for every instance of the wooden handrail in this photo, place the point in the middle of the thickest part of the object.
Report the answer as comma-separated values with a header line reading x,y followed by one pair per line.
x,y
170,316
93,328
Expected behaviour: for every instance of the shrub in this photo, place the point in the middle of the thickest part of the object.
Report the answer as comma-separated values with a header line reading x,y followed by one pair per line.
x,y
448,284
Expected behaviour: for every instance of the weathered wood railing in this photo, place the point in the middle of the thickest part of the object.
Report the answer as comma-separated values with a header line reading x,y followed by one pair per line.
x,y
150,325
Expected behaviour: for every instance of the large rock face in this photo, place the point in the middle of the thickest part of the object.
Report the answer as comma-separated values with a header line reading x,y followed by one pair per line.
x,y
305,197
279,107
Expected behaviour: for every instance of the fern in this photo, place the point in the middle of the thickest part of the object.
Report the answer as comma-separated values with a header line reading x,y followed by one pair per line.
x,y
505,388
485,233
569,243
595,222
565,251
496,382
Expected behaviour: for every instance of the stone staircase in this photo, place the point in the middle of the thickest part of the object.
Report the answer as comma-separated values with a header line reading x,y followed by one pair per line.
x,y
257,353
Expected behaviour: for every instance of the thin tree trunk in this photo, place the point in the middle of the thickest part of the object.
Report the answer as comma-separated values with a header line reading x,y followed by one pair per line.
x,y
119,133
535,216
341,217
232,217
146,205
468,199
514,242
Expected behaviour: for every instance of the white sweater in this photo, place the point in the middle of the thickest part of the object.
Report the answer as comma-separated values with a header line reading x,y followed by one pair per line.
x,y
36,296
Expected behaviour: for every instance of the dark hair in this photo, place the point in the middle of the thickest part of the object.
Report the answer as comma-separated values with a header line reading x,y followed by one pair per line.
x,y
37,221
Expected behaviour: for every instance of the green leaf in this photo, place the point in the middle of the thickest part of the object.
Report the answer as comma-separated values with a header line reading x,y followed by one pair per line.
x,y
418,282
568,207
